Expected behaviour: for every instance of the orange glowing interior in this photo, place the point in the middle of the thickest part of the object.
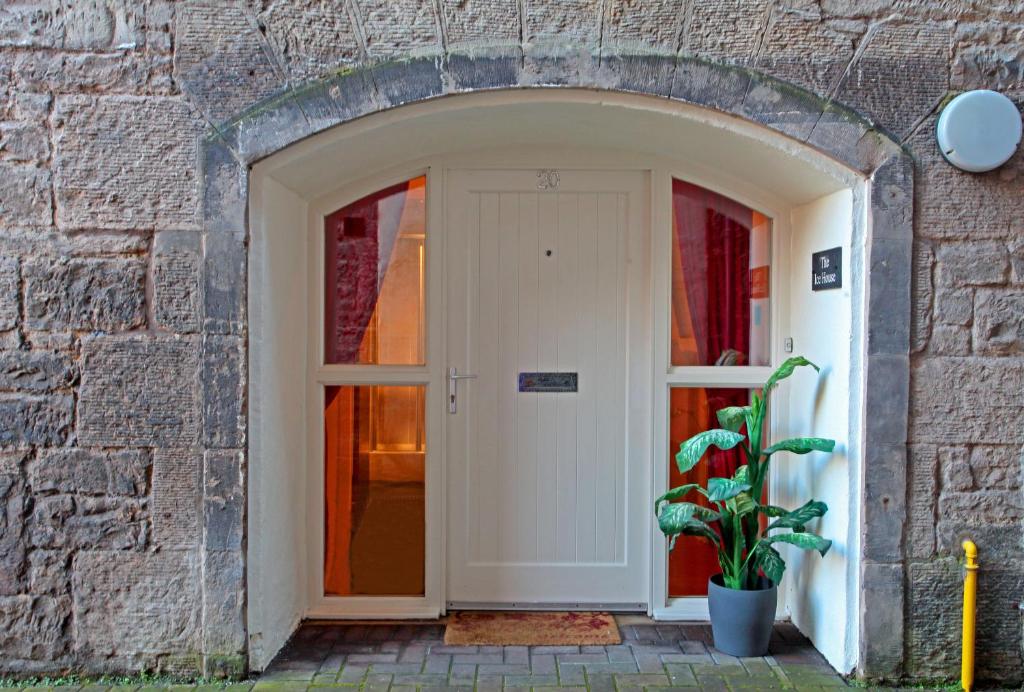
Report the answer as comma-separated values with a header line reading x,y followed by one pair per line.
x,y
374,435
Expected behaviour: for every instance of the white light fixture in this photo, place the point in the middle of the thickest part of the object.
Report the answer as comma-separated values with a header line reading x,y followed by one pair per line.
x,y
979,130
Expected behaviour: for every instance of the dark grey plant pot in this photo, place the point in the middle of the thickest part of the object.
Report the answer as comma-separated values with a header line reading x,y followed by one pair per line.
x,y
742,620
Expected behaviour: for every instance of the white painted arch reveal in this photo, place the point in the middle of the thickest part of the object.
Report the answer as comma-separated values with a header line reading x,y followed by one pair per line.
x,y
815,202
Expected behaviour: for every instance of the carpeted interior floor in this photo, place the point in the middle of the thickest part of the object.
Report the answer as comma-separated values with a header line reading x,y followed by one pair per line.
x,y
515,628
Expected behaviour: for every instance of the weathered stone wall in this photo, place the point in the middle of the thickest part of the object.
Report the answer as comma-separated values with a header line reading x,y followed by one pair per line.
x,y
122,327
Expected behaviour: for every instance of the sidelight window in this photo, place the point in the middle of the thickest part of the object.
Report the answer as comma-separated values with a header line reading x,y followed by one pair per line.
x,y
375,428
719,344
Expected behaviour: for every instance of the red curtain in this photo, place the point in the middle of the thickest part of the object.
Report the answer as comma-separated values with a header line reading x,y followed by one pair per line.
x,y
713,233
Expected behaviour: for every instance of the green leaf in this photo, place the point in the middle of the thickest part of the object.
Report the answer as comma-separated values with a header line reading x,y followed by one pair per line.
x,y
805,541
785,370
799,517
677,518
802,445
675,494
693,449
741,505
732,418
773,511
720,489
769,560
742,474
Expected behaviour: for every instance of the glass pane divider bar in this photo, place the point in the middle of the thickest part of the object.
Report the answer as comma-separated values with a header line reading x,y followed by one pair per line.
x,y
373,375
697,376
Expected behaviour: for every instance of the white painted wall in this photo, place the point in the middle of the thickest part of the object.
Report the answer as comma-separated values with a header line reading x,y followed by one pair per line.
x,y
821,593
277,418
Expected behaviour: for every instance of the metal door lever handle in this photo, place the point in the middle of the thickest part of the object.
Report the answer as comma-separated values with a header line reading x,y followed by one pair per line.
x,y
453,387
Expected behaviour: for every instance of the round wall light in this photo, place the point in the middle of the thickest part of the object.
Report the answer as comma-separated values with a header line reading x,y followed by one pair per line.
x,y
979,130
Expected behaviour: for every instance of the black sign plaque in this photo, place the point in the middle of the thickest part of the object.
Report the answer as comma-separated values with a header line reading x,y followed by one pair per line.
x,y
827,269
548,381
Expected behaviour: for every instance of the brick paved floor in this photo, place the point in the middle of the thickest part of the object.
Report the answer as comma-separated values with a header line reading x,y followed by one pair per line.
x,y
652,655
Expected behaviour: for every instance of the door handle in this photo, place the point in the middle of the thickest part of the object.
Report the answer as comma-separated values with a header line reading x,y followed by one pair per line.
x,y
453,387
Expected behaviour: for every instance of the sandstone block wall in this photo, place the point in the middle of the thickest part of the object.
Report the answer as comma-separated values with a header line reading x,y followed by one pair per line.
x,y
122,328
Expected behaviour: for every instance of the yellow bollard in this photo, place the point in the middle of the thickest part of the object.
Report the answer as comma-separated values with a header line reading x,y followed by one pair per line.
x,y
970,595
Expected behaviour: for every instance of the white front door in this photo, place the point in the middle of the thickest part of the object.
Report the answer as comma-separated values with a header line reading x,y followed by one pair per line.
x,y
548,492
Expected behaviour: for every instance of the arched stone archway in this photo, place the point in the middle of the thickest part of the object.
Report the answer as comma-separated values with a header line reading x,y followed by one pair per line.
x,y
807,120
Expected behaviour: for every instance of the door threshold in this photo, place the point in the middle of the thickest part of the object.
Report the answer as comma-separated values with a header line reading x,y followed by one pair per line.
x,y
560,605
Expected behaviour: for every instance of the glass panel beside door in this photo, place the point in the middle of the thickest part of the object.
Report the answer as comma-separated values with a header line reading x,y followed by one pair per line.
x,y
374,435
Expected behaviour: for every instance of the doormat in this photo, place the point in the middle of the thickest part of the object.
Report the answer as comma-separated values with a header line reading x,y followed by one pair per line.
x,y
513,628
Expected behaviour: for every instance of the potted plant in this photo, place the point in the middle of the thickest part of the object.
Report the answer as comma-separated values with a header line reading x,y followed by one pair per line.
x,y
742,598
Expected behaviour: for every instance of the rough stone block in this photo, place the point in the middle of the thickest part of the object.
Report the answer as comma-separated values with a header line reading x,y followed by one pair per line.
x,y
21,141
225,187
224,603
882,625
103,25
36,371
886,394
30,25
177,280
999,322
221,59
224,392
808,50
573,21
922,491
177,497
396,28
655,24
12,530
310,38
224,500
955,469
49,572
32,628
847,137
138,391
25,199
94,73
35,420
726,30
997,466
922,295
481,22
127,603
889,295
900,75
91,472
954,306
949,340
82,522
109,174
933,633
967,400
972,263
95,294
224,286
884,502
10,293
987,55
